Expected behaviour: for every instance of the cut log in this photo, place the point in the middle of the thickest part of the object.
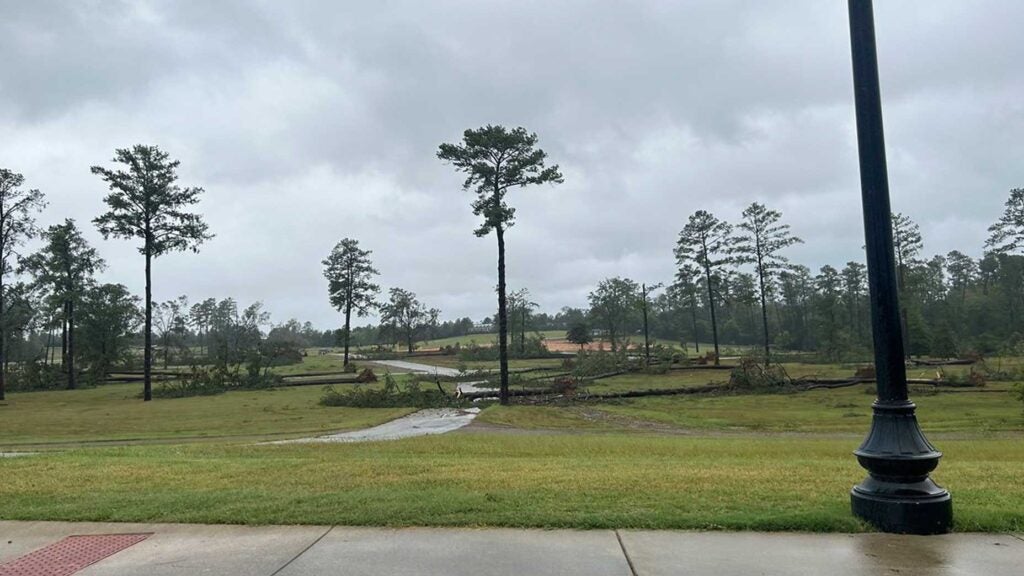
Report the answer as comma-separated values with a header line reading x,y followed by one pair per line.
x,y
953,362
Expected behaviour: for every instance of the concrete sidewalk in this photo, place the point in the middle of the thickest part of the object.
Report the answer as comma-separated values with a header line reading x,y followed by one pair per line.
x,y
179,549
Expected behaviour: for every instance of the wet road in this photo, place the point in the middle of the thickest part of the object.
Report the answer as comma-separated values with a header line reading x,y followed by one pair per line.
x,y
422,423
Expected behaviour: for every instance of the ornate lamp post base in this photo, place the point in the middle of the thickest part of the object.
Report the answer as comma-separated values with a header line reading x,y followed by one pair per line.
x,y
898,496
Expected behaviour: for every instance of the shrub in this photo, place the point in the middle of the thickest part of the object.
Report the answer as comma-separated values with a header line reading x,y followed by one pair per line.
x,y
998,373
34,375
390,396
532,347
474,351
754,375
565,385
590,363
973,378
865,372
206,381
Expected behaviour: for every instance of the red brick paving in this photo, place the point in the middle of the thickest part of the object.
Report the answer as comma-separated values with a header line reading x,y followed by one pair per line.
x,y
70,555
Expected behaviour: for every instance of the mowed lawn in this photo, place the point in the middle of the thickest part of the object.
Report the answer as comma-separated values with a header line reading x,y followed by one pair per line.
x,y
579,481
758,462
116,413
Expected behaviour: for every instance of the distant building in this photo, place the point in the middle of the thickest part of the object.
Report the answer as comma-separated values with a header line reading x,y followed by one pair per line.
x,y
482,328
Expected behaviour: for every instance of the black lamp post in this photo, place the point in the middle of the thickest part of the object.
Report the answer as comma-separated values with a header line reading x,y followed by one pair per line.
x,y
897,495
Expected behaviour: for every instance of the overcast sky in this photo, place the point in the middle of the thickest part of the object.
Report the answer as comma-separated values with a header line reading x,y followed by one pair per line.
x,y
310,121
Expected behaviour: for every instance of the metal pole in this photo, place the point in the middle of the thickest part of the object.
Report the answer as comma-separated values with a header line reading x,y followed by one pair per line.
x,y
897,495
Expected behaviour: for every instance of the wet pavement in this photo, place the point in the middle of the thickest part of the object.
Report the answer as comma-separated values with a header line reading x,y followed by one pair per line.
x,y
417,367
182,549
423,423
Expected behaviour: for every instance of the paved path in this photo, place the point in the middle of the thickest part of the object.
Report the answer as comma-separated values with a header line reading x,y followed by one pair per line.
x,y
421,423
417,367
180,549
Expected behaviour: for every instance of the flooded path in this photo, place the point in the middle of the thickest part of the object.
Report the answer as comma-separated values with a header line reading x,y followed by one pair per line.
x,y
423,423
418,368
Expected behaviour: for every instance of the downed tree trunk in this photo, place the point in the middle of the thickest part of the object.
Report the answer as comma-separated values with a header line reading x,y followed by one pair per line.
x,y
703,367
310,374
953,362
811,384
495,392
608,396
353,379
707,388
132,379
547,376
607,375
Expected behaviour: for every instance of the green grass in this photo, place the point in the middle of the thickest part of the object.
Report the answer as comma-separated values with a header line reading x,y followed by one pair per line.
x,y
513,363
593,481
482,339
115,412
757,462
845,410
314,362
672,379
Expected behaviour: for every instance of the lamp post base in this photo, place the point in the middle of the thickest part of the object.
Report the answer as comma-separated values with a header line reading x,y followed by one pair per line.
x,y
922,508
898,495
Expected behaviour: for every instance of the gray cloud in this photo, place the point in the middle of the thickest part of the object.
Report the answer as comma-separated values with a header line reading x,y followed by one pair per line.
x,y
310,121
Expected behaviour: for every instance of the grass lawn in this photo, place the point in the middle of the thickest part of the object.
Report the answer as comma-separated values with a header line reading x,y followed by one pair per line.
x,y
115,412
591,481
482,339
759,462
844,410
513,363
314,362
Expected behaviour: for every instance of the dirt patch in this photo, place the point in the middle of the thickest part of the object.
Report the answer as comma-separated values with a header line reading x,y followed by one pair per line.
x,y
563,345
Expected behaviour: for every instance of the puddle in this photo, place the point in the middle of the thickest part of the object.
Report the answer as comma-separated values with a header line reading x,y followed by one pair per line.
x,y
17,454
422,423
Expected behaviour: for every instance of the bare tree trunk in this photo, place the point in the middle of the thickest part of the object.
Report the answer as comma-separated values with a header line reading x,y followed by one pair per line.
x,y
3,339
147,353
764,311
903,306
696,336
72,384
522,332
711,303
348,330
64,339
49,346
502,319
647,340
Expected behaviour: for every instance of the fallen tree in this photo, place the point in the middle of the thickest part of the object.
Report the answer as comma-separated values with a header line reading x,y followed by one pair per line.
x,y
703,367
705,389
813,383
953,362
